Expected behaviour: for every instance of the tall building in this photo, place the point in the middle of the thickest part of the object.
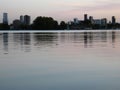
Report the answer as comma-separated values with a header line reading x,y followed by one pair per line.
x,y
5,18
27,20
113,20
85,17
22,19
91,19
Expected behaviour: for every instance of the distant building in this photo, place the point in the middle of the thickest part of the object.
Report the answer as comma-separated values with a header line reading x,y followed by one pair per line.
x,y
22,19
113,20
85,17
97,21
91,19
103,21
5,18
109,22
70,22
27,20
76,21
16,24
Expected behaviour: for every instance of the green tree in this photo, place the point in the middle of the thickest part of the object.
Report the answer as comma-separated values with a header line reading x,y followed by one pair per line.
x,y
63,25
45,23
4,27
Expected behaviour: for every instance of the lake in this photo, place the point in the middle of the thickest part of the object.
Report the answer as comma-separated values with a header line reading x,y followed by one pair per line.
x,y
60,60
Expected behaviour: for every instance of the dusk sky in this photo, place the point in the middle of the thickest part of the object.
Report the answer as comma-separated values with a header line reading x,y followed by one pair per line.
x,y
60,9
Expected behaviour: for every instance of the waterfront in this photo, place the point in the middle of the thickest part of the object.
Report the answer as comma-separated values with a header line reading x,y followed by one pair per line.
x,y
76,60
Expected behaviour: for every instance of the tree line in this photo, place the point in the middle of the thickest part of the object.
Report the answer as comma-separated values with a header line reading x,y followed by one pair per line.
x,y
40,23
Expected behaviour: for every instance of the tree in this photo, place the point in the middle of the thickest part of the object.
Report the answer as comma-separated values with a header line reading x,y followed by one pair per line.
x,y
63,25
4,26
45,23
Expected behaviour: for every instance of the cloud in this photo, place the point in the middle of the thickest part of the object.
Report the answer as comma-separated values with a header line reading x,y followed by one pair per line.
x,y
98,7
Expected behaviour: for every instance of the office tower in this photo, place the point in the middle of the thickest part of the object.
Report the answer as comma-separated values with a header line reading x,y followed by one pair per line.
x,y
5,18
27,20
22,19
85,17
91,19
113,20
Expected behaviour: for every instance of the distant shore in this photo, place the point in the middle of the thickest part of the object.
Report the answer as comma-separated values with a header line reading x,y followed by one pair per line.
x,y
54,31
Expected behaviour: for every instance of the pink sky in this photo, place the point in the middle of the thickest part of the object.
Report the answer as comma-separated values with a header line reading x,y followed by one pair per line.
x,y
61,9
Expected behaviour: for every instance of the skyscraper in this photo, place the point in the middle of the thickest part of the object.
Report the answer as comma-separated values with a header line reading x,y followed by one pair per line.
x,y
85,17
27,20
22,19
5,18
113,20
91,19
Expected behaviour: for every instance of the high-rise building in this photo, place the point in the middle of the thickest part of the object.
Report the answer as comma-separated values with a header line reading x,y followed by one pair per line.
x,y
22,19
5,18
91,19
113,20
85,17
27,20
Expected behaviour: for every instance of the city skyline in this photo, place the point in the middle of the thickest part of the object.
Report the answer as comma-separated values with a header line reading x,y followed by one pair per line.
x,y
40,23
26,19
55,9
23,19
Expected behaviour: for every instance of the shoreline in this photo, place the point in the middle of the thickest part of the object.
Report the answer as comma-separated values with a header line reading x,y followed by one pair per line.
x,y
54,31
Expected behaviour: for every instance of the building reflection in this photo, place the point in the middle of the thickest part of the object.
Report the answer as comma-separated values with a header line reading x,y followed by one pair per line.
x,y
103,36
88,39
91,39
28,41
24,40
5,42
85,39
113,38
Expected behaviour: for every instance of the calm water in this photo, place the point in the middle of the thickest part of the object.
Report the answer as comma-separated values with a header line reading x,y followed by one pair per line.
x,y
60,60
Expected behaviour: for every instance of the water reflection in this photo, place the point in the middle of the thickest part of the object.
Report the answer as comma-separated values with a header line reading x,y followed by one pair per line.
x,y
22,39
60,61
45,39
27,41
113,39
85,39
5,42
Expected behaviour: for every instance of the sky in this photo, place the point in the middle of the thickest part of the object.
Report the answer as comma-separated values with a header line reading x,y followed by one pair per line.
x,y
60,9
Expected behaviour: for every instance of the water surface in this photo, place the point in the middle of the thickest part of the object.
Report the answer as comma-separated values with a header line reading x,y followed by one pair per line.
x,y
86,60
